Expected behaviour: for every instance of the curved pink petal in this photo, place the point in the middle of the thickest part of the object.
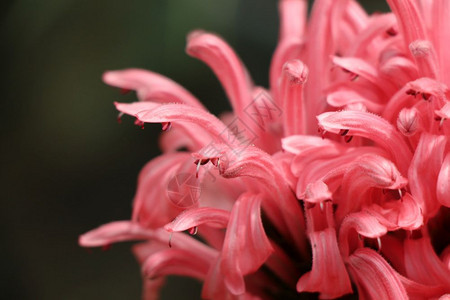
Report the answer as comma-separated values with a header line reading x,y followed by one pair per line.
x,y
374,277
412,27
191,218
150,287
294,76
177,262
362,224
366,172
405,213
421,291
439,16
219,56
424,87
409,121
328,275
343,93
280,204
155,207
296,144
149,112
317,192
114,232
423,265
292,26
424,171
246,246
372,127
150,86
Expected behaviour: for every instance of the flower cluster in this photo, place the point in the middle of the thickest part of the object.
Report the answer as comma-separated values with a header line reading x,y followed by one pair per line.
x,y
336,180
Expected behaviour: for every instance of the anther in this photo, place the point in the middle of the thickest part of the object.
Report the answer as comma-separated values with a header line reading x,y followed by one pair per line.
x,y
348,138
411,92
343,132
124,91
198,168
119,118
139,123
166,126
379,244
426,96
392,31
170,240
193,230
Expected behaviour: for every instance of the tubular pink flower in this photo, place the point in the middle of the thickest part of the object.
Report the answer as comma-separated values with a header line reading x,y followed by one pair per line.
x,y
374,277
188,219
260,183
380,131
294,76
328,275
292,28
424,170
150,86
443,182
246,246
423,265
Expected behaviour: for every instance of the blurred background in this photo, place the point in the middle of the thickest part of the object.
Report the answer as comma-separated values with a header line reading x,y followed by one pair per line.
x,y
67,166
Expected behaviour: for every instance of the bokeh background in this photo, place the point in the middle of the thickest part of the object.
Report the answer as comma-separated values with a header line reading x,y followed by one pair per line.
x,y
66,165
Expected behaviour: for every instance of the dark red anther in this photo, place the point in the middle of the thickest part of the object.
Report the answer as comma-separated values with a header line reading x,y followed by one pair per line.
x,y
348,138
411,92
343,132
124,91
119,119
166,126
426,96
170,240
139,123
202,161
353,76
215,161
106,247
416,234
310,205
193,230
392,31
322,132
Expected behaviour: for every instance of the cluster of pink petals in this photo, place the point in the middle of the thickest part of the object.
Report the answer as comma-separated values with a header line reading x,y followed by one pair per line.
x,y
345,190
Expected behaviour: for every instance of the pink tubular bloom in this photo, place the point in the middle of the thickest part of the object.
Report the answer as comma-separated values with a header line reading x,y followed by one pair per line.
x,y
334,181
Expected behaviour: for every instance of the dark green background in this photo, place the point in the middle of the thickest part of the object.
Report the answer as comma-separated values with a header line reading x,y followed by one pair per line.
x,y
66,165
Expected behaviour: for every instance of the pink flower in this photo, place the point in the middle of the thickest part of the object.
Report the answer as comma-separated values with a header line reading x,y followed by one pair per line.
x,y
281,209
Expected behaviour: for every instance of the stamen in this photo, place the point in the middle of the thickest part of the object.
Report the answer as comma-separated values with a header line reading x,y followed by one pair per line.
x,y
321,206
193,230
379,244
170,240
348,138
322,132
411,92
426,96
198,167
139,123
166,126
124,91
343,132
106,247
392,31
119,118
